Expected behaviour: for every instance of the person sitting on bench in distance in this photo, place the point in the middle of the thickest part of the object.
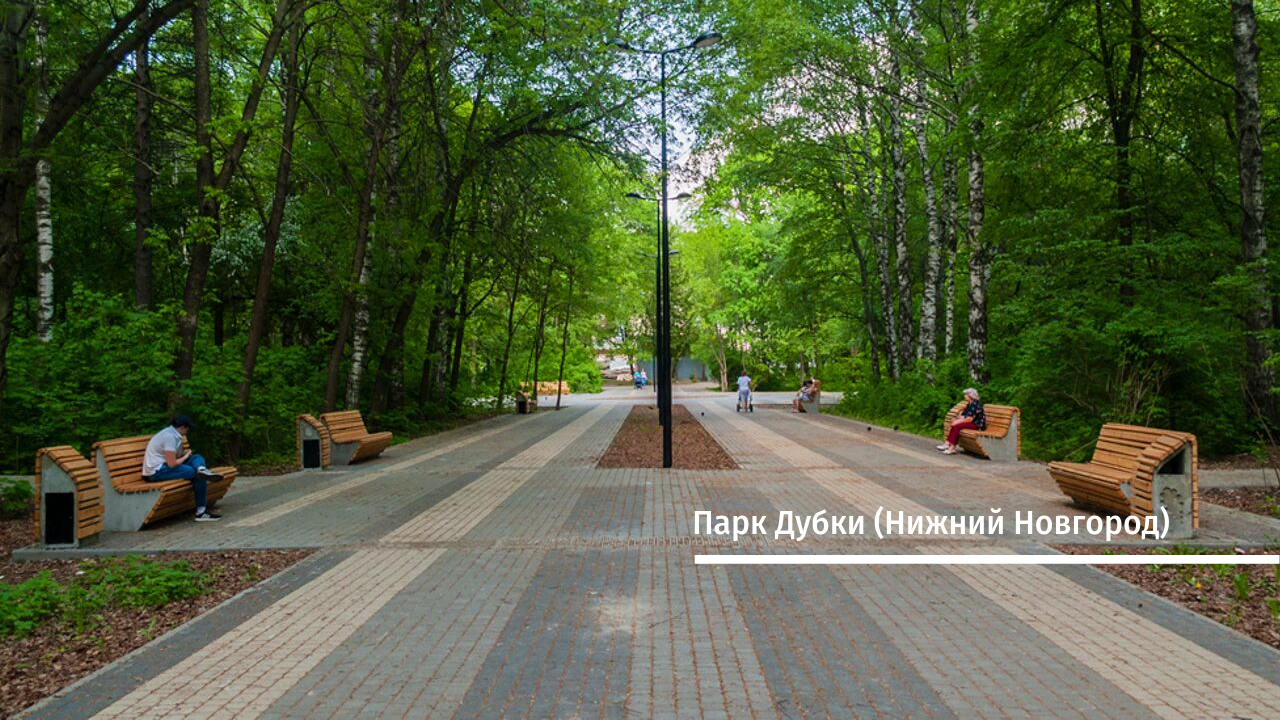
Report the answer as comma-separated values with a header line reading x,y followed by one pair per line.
x,y
162,462
804,395
971,418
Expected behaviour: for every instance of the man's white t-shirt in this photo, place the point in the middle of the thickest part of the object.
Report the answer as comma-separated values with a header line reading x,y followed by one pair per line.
x,y
167,440
744,383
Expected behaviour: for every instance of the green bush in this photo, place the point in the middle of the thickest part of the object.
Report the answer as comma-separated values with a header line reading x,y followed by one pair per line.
x,y
25,605
15,498
129,582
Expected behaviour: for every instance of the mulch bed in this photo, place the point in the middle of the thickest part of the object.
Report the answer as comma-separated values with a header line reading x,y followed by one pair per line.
x,y
55,656
1259,500
1246,461
638,443
1210,590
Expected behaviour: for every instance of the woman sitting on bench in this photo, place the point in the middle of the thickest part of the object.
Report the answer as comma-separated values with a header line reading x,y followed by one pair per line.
x,y
807,392
971,418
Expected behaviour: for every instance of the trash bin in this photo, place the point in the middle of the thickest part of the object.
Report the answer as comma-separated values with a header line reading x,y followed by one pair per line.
x,y
70,511
313,444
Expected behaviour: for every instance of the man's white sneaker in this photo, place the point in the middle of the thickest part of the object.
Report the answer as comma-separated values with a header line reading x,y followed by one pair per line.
x,y
207,516
208,474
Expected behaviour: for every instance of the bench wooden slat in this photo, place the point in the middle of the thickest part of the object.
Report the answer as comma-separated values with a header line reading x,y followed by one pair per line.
x,y
1127,455
350,440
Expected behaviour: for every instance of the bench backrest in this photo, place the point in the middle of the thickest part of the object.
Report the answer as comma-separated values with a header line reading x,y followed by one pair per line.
x,y
999,417
1141,450
344,424
121,459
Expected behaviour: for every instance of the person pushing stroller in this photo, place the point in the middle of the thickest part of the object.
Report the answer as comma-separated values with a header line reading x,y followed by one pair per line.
x,y
744,393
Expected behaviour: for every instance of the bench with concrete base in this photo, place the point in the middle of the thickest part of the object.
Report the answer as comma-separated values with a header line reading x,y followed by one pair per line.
x,y
1000,442
349,441
68,509
1138,471
314,451
132,502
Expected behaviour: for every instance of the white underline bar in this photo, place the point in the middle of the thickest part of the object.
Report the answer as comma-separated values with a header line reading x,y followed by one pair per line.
x,y
986,559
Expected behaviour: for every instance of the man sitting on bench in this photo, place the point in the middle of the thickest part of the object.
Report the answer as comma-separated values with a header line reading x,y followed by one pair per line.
x,y
163,462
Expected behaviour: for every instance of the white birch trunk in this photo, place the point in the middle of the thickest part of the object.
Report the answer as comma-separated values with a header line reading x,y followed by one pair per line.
x,y
927,345
360,339
1259,377
903,269
951,229
44,217
978,272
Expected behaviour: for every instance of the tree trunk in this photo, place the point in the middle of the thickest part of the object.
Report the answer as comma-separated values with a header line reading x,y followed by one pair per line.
x,y
899,162
951,226
721,361
977,246
271,233
875,212
360,337
1259,378
542,326
142,176
564,341
352,299
210,187
927,345
44,192
506,350
460,322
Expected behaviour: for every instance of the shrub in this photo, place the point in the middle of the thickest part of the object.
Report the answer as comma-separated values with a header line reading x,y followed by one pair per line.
x,y
15,498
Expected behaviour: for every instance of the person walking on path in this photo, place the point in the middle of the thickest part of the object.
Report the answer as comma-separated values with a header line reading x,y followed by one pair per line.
x,y
744,391
162,461
971,418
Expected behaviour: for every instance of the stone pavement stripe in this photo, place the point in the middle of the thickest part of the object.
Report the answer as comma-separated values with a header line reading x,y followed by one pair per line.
x,y
310,496
1218,639
953,464
981,661
407,663
241,673
841,482
565,649
1164,671
822,654
104,687
452,519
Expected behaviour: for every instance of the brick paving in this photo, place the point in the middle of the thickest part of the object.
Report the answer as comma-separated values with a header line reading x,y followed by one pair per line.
x,y
494,572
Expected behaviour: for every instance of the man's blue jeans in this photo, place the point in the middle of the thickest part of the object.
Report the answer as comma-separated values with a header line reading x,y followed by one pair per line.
x,y
186,471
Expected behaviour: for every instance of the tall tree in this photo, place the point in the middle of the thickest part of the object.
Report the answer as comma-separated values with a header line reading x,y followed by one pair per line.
x,y
143,175
18,158
44,192
1259,377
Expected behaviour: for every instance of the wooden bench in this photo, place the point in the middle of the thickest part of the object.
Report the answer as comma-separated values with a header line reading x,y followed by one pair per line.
x,y
349,441
1000,442
813,406
1138,470
132,502
68,498
313,444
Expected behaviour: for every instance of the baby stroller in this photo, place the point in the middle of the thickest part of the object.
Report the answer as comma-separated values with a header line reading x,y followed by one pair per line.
x,y
751,404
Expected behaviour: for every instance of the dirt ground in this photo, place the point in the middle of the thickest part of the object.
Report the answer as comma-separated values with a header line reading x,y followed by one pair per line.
x,y
1243,597
1260,500
55,656
638,443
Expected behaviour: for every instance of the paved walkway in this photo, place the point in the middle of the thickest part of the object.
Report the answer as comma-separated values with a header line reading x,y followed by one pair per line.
x,y
494,572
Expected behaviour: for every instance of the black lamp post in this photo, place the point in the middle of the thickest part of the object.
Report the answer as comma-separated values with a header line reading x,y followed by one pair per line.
x,y
657,296
706,39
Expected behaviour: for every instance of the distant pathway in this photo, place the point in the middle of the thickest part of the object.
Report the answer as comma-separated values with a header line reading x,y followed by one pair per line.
x,y
494,572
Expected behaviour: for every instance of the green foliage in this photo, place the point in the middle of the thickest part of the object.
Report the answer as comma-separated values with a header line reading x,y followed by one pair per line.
x,y
128,582
15,497
25,605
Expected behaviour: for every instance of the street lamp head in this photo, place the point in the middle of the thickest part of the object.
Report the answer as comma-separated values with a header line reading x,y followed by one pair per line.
x,y
636,196
618,44
672,252
706,40
682,196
